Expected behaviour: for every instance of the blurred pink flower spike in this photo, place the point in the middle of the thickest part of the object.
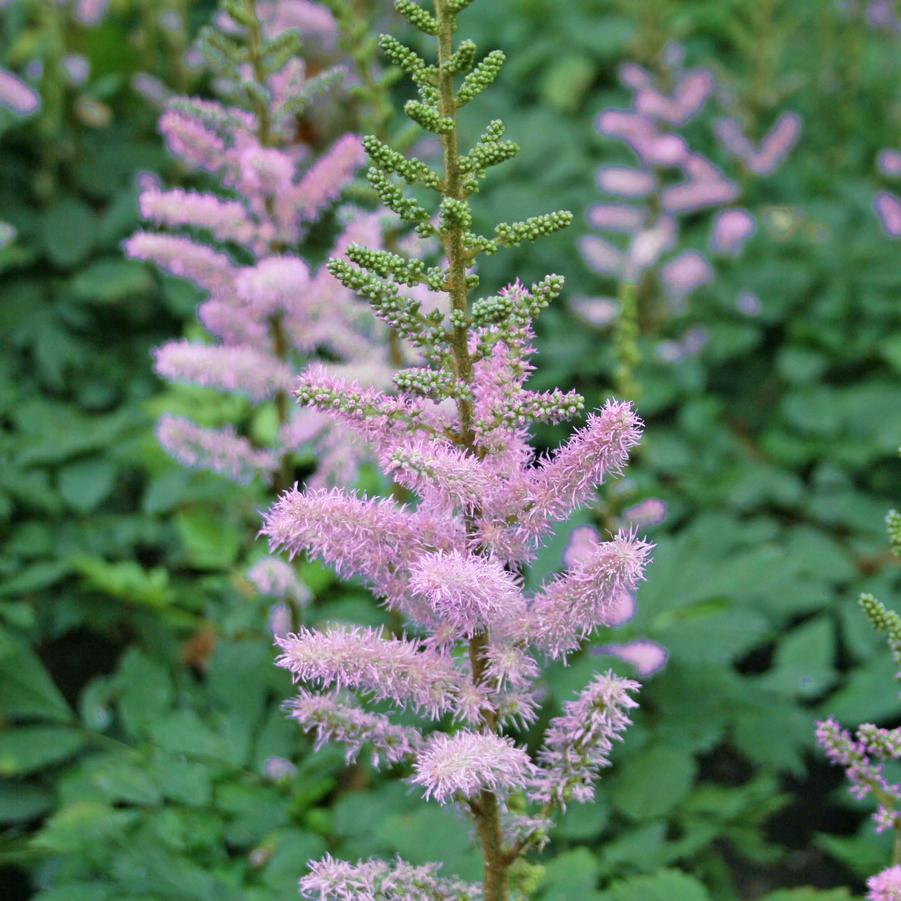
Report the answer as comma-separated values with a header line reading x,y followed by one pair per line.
x,y
889,163
692,90
600,255
625,182
16,96
644,656
684,274
597,311
768,156
731,231
748,304
888,209
90,12
649,512
616,217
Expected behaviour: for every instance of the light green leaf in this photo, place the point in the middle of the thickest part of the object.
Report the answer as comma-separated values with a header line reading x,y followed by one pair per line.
x,y
86,484
651,782
68,232
26,749
668,885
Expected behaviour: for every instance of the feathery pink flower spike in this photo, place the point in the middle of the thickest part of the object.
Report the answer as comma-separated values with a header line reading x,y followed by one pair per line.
x,y
449,561
265,319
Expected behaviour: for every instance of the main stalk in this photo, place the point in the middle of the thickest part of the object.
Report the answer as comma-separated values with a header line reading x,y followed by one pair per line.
x,y
485,809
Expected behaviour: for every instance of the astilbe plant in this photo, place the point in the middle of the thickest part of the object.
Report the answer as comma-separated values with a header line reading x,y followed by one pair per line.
x,y
646,203
266,310
451,561
864,753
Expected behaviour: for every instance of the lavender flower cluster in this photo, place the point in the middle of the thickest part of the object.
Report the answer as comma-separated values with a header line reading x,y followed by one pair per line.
x,y
672,181
865,754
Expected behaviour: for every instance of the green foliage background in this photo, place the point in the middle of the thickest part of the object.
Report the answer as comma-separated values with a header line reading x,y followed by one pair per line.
x,y
137,697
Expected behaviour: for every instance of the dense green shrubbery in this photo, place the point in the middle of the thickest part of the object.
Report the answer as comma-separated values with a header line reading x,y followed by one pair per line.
x,y
137,700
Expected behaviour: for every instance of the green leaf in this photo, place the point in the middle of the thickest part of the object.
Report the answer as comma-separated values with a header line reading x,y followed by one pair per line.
x,y
20,802
651,782
165,491
803,662
112,280
144,689
563,84
572,874
68,232
26,689
668,885
83,825
35,578
430,833
80,891
862,855
86,484
809,894
125,580
26,749
210,541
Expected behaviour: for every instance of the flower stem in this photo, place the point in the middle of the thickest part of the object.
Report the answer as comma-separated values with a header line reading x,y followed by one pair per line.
x,y
486,810
282,477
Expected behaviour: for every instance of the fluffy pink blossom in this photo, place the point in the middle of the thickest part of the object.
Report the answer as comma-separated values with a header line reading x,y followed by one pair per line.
x,y
469,592
197,146
566,480
226,220
228,321
373,538
237,370
323,181
207,268
438,471
374,880
467,763
658,149
274,284
578,743
364,660
861,763
218,450
573,604
885,886
354,728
